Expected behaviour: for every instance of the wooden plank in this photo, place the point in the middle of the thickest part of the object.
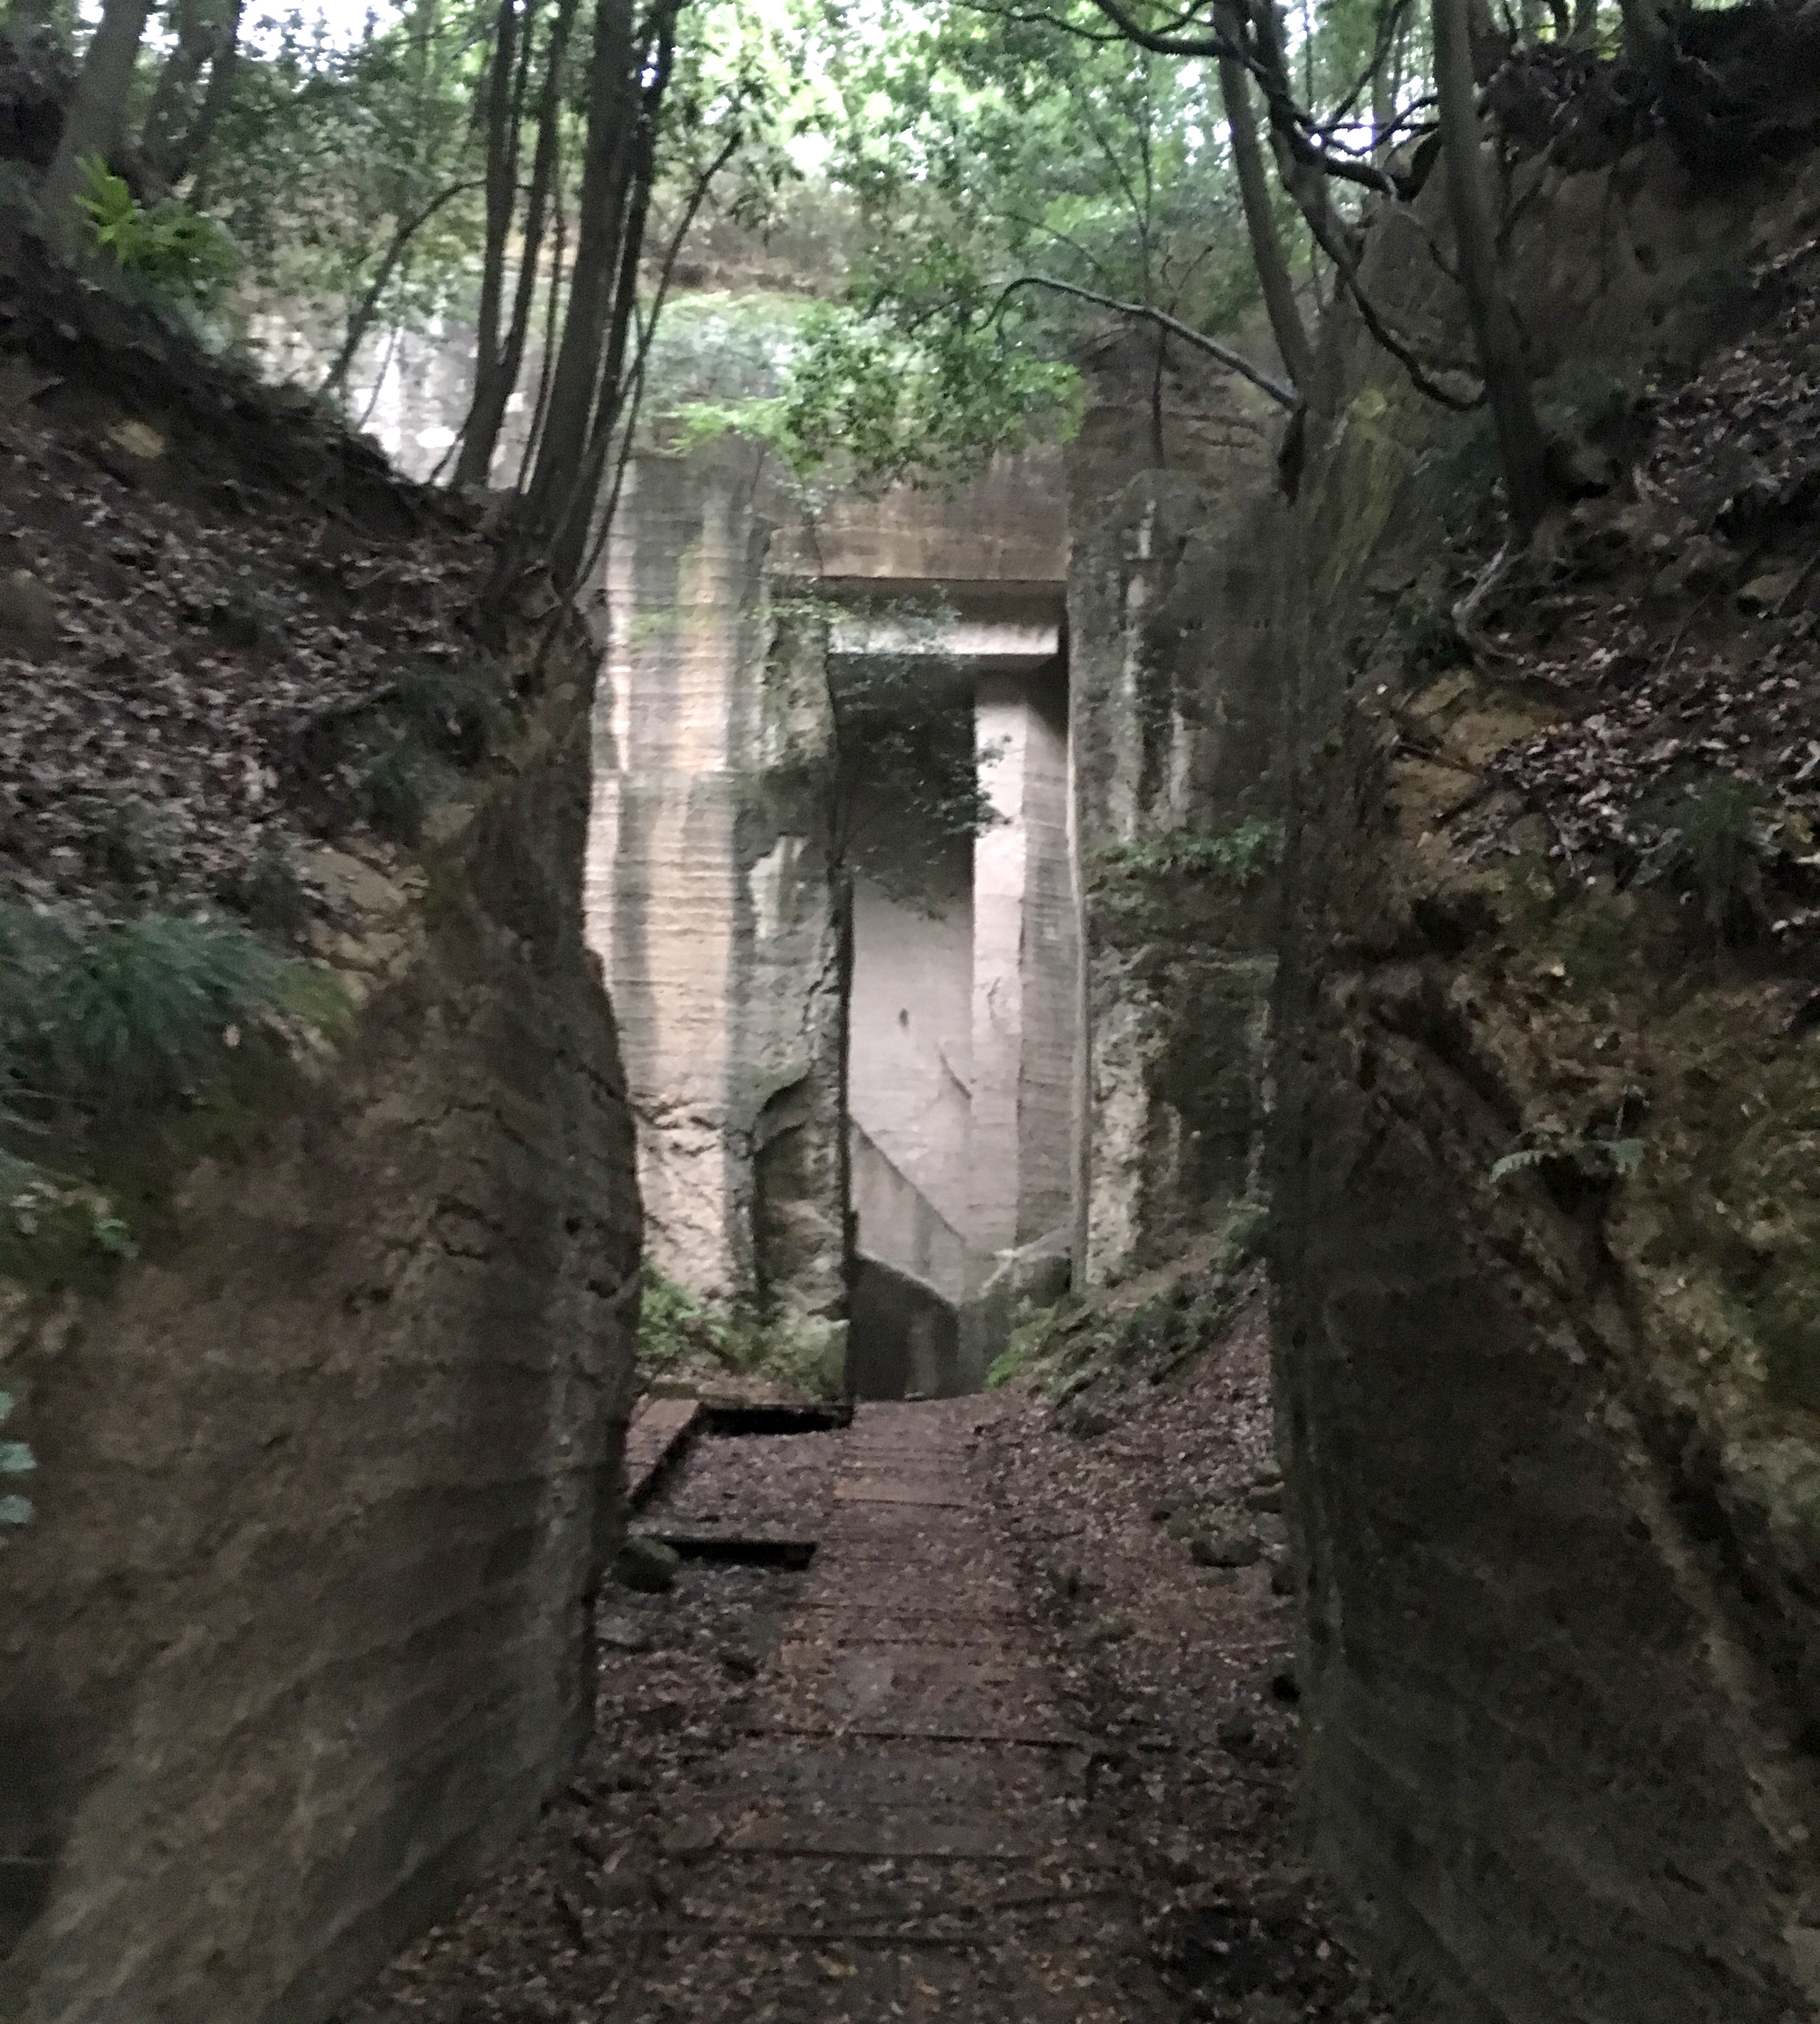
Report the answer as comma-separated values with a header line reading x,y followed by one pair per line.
x,y
661,1428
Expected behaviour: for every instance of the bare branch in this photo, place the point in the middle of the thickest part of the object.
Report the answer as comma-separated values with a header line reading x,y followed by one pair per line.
x,y
1285,397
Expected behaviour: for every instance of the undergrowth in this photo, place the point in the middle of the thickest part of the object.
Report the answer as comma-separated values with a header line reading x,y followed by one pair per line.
x,y
1573,1163
179,253
118,1040
1237,856
1726,833
684,1339
1060,1350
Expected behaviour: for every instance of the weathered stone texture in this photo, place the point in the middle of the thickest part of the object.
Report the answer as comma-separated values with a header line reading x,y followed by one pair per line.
x,y
708,892
298,1636
712,893
1557,1677
1173,708
1023,961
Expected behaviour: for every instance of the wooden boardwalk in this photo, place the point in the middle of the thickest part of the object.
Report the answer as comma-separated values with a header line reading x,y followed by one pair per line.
x,y
893,1834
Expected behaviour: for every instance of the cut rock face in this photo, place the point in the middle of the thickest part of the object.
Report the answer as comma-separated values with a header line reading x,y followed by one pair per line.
x,y
646,1566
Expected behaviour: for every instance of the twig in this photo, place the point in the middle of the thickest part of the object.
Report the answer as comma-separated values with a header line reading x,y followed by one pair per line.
x,y
1285,397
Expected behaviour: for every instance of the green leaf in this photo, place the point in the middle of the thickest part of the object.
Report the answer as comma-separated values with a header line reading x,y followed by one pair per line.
x,y
176,251
113,1236
1625,1154
15,1511
16,1458
1522,1161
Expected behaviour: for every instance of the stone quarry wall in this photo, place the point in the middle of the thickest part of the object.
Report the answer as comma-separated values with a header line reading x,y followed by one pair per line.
x,y
299,1635
1555,1527
912,1061
1174,708
708,890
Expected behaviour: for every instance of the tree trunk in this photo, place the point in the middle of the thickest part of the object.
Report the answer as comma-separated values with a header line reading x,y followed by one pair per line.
x,y
494,384
501,102
546,364
1304,180
1521,449
165,117
192,150
569,540
606,169
368,307
1267,253
95,117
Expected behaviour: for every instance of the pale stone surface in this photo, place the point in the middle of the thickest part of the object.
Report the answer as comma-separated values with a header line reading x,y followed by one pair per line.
x,y
912,1039
1006,533
900,1226
707,891
708,897
1023,969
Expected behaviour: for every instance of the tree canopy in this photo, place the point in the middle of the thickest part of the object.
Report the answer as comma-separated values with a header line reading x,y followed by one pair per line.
x,y
1008,177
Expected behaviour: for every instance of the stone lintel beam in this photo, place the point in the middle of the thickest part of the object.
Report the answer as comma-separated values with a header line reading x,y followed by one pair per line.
x,y
999,646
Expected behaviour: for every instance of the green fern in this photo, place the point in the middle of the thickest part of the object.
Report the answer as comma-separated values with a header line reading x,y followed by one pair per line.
x,y
175,251
1597,1156
1725,833
131,1014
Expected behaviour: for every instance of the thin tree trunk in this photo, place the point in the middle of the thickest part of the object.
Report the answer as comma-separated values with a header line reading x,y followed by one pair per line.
x,y
493,384
501,201
1522,448
368,308
570,539
546,364
379,378
633,396
93,126
177,79
191,155
1267,253
606,169
1304,180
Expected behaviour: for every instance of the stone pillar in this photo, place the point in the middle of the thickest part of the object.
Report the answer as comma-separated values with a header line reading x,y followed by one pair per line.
x,y
1001,725
1173,718
1049,957
1023,967
707,892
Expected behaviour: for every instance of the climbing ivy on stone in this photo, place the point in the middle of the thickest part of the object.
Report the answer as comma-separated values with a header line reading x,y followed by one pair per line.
x,y
1238,856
